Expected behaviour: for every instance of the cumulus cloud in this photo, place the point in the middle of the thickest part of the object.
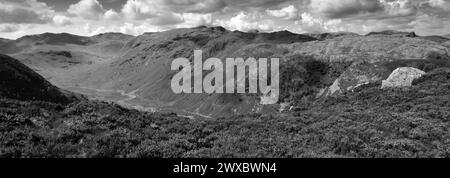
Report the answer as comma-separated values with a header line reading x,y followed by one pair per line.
x,y
111,15
399,8
309,23
18,17
195,19
258,4
61,20
24,12
8,28
154,12
88,9
246,22
194,6
444,4
345,8
290,13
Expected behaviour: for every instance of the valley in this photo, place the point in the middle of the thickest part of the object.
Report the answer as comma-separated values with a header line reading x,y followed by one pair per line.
x,y
134,71
83,98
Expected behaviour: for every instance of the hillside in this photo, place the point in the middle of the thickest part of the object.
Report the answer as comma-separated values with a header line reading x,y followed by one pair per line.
x,y
137,69
331,35
371,122
331,93
32,43
17,81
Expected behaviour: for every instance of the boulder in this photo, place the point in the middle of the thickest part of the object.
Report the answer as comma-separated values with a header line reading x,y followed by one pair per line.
x,y
402,77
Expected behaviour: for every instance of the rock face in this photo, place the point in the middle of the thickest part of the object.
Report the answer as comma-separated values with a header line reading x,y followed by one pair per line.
x,y
402,77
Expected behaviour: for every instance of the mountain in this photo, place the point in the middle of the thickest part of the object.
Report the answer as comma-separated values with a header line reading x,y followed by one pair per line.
x,y
332,89
111,36
136,72
53,39
3,40
32,43
331,35
61,58
393,33
144,69
436,38
17,81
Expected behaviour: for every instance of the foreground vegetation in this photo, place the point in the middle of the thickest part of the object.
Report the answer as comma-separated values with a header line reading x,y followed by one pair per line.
x,y
371,122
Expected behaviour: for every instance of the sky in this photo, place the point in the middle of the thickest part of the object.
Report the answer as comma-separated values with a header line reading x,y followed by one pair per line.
x,y
91,17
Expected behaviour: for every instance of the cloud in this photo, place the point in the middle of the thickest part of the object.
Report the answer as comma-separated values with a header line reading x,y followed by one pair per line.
x,y
88,9
166,19
154,12
246,22
24,12
20,17
288,13
8,28
138,29
61,20
443,4
345,8
194,6
399,8
111,15
139,9
257,4
195,19
309,23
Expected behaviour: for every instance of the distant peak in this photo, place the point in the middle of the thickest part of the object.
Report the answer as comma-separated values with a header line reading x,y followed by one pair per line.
x,y
394,33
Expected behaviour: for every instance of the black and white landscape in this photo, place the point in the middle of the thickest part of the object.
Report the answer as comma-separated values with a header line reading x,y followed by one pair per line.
x,y
358,78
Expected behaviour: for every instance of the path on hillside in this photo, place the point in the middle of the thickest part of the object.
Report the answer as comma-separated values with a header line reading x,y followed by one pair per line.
x,y
125,102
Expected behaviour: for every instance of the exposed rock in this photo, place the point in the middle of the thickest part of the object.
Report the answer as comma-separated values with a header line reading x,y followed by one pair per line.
x,y
285,107
402,77
354,77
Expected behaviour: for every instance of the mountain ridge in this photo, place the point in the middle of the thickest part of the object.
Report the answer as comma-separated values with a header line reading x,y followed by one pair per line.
x,y
141,65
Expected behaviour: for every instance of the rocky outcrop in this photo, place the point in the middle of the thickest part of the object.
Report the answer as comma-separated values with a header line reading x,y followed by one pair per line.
x,y
402,77
356,75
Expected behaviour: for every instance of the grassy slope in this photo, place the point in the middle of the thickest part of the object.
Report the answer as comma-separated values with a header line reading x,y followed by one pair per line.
x,y
370,123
